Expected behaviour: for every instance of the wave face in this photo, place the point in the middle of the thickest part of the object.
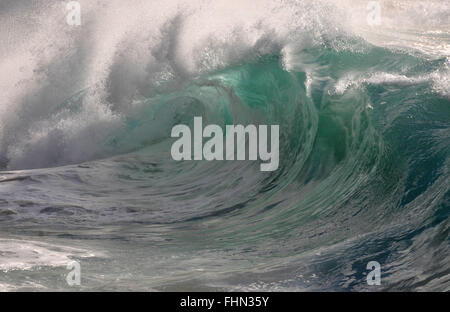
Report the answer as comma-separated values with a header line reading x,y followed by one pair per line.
x,y
85,120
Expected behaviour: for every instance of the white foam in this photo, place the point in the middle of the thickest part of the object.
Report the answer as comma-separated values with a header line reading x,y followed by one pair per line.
x,y
25,255
439,81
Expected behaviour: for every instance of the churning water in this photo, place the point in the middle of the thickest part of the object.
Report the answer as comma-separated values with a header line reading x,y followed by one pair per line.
x,y
86,172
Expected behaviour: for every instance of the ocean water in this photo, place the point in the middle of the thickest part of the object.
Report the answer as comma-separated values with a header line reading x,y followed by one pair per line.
x,y
86,173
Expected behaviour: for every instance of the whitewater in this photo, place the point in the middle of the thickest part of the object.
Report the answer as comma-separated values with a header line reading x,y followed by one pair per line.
x,y
86,174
